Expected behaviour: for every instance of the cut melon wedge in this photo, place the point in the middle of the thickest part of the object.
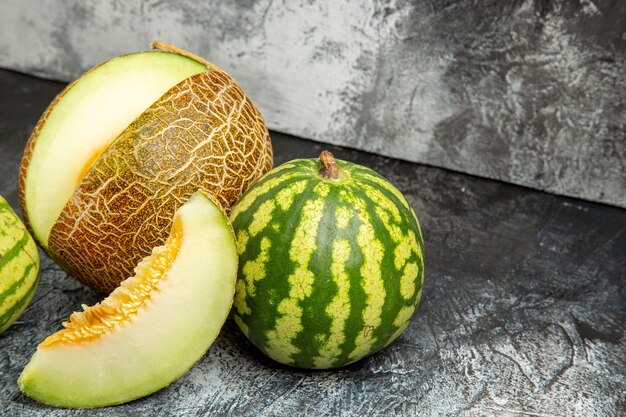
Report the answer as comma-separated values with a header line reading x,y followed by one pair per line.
x,y
84,121
152,328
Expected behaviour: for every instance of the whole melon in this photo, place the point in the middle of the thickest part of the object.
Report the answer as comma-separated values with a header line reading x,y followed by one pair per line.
x,y
19,266
330,263
121,148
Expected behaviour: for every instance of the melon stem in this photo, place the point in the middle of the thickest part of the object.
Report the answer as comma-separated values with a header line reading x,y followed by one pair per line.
x,y
166,47
329,166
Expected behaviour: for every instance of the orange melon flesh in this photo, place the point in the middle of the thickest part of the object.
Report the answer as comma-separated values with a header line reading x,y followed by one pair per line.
x,y
88,116
152,328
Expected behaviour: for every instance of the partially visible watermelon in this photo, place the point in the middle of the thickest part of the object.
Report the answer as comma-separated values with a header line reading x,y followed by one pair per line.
x,y
330,263
19,266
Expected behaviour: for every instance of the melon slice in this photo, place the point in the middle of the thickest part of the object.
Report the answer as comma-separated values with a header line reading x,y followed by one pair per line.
x,y
84,121
152,328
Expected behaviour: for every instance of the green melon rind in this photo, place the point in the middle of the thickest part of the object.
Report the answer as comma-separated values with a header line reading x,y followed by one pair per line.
x,y
19,266
163,341
15,311
257,305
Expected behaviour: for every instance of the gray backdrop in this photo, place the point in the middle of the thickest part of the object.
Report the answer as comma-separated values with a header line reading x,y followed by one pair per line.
x,y
531,92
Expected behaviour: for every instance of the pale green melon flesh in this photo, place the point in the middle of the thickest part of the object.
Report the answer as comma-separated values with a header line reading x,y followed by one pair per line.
x,y
85,121
163,340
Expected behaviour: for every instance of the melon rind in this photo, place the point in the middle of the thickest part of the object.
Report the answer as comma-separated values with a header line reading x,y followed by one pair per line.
x,y
84,120
19,266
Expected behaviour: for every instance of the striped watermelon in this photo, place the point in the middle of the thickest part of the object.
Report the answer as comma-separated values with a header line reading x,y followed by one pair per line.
x,y
19,266
330,263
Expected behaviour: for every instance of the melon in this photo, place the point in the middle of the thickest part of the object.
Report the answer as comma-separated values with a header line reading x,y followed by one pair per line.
x,y
152,328
121,148
19,266
330,263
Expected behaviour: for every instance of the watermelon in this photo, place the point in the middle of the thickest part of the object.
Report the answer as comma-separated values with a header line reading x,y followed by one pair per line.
x,y
330,263
19,266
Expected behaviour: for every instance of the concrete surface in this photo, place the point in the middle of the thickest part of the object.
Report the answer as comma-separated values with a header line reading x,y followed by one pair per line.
x,y
530,92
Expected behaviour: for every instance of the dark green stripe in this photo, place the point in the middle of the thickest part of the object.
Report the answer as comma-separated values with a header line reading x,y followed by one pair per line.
x,y
16,284
357,170
315,321
20,304
393,299
297,166
279,266
289,178
356,293
409,222
15,250
404,212
361,174
391,282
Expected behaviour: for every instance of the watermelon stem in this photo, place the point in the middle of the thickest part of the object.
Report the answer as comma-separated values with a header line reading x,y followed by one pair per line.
x,y
329,166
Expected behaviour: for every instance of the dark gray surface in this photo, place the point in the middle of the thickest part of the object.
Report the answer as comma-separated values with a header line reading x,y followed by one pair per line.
x,y
522,314
531,92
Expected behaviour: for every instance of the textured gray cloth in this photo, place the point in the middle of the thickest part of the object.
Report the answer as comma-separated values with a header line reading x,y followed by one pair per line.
x,y
531,92
522,311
